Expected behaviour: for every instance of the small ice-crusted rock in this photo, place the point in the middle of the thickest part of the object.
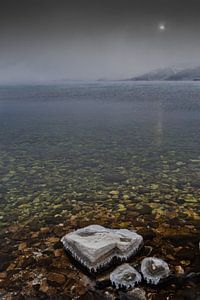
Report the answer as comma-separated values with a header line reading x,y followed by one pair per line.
x,y
95,246
154,269
125,276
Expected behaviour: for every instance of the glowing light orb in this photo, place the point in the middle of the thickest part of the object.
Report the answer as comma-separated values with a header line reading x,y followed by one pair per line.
x,y
162,27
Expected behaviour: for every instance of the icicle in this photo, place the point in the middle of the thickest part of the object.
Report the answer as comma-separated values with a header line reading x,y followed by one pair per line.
x,y
125,276
91,245
154,269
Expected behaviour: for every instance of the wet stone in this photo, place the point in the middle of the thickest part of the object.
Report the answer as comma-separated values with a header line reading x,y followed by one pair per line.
x,y
53,221
3,275
44,261
188,293
133,214
135,294
22,246
145,210
103,281
58,252
56,279
4,261
114,177
44,287
147,234
94,295
185,253
58,231
27,262
45,230
58,245
179,270
183,239
53,240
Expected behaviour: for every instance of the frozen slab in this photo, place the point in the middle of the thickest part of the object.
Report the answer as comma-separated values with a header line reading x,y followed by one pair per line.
x,y
125,276
95,246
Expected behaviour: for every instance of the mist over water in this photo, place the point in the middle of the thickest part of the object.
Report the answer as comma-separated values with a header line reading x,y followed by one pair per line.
x,y
91,39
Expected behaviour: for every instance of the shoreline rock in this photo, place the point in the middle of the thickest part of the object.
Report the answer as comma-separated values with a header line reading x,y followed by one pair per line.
x,y
154,269
125,276
95,246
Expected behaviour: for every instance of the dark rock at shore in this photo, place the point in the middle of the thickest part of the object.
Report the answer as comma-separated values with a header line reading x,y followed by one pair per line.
x,y
185,253
53,221
56,279
135,294
194,277
188,293
147,234
183,239
94,295
5,260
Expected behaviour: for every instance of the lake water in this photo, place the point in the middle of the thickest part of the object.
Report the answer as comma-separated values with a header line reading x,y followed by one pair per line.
x,y
119,154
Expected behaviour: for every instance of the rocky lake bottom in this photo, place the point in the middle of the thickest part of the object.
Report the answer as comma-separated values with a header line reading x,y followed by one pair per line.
x,y
120,155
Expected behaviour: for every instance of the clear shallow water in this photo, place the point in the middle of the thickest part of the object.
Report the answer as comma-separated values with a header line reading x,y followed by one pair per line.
x,y
56,141
118,154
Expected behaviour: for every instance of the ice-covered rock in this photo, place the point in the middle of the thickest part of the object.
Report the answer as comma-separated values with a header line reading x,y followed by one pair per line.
x,y
95,246
154,269
125,276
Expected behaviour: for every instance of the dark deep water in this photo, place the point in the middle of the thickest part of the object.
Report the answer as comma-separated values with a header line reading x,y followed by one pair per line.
x,y
119,154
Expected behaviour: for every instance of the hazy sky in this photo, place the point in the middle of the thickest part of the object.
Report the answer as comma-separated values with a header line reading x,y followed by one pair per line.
x,y
90,39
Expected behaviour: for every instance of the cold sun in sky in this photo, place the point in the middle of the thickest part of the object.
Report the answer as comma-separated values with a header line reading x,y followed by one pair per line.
x,y
162,27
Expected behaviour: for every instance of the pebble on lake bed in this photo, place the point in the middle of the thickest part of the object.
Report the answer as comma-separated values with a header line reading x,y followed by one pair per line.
x,y
154,269
95,246
125,276
136,294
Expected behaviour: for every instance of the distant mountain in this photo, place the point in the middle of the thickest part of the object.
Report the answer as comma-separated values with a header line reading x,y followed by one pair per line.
x,y
170,74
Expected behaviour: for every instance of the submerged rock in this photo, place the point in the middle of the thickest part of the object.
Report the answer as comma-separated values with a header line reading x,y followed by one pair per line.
x,y
154,269
125,276
114,177
56,278
135,294
95,246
